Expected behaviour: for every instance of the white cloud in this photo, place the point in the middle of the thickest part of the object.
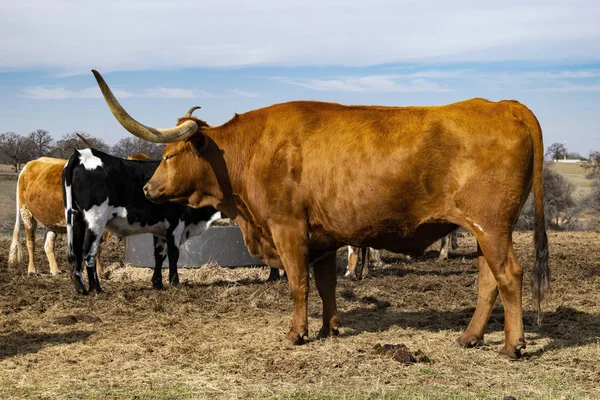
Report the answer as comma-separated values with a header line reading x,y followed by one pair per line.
x,y
60,93
369,83
74,36
242,93
163,92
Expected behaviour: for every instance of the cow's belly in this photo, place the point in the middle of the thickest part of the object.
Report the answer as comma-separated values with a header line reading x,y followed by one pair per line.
x,y
120,227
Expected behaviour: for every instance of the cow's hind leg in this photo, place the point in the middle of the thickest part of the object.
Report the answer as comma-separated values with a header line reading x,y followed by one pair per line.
x,y
351,270
90,248
486,297
503,264
326,280
160,253
76,225
49,248
30,224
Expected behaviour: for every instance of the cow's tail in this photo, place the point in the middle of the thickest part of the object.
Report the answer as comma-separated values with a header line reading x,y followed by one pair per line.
x,y
71,212
541,268
14,254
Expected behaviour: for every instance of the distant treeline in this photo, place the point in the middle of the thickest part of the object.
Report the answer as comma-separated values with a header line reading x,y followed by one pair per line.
x,y
16,150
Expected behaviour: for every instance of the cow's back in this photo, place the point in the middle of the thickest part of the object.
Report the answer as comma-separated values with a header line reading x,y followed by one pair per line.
x,y
40,190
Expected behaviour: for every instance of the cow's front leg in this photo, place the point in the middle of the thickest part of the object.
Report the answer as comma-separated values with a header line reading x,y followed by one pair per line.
x,y
160,253
326,280
173,241
291,243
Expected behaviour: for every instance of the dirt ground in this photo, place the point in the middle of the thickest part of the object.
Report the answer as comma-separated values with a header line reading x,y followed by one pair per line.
x,y
221,334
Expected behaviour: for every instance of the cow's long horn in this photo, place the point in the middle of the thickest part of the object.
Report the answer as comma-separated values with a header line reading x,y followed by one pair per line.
x,y
156,135
190,111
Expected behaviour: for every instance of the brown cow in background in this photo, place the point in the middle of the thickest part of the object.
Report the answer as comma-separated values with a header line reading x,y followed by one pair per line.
x,y
371,256
39,200
304,178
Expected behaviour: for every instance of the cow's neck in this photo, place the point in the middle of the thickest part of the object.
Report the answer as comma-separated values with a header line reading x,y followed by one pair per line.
x,y
227,154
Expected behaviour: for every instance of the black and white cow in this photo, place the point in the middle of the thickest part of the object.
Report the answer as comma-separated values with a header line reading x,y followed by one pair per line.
x,y
105,192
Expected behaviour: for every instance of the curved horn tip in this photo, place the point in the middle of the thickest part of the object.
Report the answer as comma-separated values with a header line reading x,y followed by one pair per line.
x,y
190,111
97,75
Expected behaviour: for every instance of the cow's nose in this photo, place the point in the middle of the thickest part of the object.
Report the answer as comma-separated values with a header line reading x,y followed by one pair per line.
x,y
146,189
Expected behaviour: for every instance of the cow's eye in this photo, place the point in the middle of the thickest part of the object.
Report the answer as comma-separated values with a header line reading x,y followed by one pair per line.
x,y
169,156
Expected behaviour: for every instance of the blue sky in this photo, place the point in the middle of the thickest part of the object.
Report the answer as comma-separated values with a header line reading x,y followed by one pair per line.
x,y
162,57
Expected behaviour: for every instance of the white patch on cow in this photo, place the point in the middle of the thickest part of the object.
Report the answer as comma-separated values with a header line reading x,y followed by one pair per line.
x,y
163,245
97,216
89,160
350,250
69,206
475,224
120,226
199,228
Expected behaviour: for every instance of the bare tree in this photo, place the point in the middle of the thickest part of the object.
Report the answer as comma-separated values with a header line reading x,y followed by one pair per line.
x,y
41,142
133,145
69,141
556,151
15,149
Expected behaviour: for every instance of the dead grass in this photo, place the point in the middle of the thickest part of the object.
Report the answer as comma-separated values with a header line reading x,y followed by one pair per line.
x,y
575,173
221,334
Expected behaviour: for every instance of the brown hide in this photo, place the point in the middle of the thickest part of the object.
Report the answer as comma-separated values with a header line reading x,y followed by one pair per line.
x,y
39,200
304,178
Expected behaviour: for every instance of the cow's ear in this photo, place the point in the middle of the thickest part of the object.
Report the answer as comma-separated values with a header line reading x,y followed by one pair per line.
x,y
198,141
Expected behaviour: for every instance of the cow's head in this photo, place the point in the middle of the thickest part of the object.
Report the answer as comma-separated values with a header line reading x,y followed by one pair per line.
x,y
184,174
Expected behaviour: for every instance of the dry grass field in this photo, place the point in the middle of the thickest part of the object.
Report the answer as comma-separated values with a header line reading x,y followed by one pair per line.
x,y
575,173
221,334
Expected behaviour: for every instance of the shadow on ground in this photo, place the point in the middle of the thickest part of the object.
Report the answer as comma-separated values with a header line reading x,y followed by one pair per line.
x,y
18,343
565,327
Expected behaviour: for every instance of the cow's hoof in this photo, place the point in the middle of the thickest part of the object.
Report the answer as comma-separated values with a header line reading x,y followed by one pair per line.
x,y
325,333
297,339
158,286
273,275
81,290
513,352
56,273
32,273
468,341
79,287
175,282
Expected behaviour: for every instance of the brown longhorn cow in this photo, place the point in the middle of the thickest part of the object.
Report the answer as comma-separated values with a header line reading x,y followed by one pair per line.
x,y
304,178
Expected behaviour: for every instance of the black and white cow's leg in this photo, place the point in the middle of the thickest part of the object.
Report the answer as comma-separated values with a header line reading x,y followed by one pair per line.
x,y
96,219
160,253
90,249
173,241
273,275
75,237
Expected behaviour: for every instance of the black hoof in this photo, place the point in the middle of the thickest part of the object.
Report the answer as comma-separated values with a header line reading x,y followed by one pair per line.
x,y
324,334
